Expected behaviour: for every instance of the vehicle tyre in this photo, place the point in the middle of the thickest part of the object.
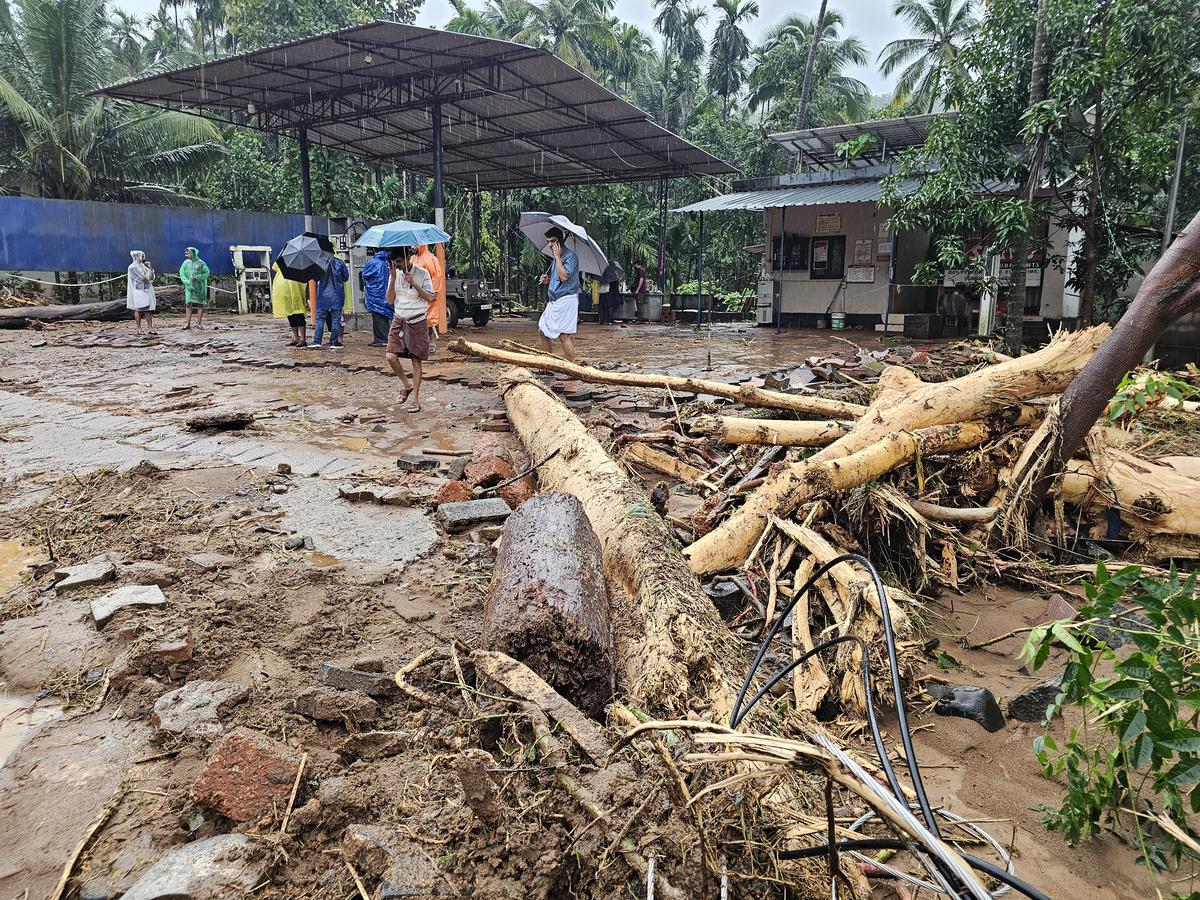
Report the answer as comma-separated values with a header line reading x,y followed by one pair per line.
x,y
453,312
481,318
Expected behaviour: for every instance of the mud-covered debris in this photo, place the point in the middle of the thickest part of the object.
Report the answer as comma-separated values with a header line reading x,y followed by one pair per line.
x,y
1057,609
347,679
174,649
370,493
196,708
284,468
488,472
84,574
221,420
478,786
518,492
213,867
211,562
1030,705
457,517
247,776
968,702
107,605
369,664
406,870
294,542
327,704
376,744
452,492
147,572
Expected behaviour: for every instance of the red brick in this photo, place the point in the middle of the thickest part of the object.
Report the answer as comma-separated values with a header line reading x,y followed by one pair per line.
x,y
518,492
1057,608
247,776
488,472
175,650
452,492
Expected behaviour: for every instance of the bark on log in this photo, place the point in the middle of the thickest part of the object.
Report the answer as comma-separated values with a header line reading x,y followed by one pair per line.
x,y
769,432
673,651
548,605
110,311
902,405
973,514
745,393
1171,290
643,455
1153,499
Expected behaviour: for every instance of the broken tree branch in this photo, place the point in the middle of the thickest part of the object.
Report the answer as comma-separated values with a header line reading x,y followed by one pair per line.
x,y
776,432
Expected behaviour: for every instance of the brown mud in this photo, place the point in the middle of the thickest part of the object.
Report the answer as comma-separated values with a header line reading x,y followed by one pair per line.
x,y
96,460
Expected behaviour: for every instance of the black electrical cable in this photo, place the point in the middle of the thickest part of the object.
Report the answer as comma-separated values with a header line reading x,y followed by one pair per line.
x,y
988,868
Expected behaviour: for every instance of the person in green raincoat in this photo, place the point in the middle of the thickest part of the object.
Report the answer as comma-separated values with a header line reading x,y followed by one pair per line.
x,y
193,272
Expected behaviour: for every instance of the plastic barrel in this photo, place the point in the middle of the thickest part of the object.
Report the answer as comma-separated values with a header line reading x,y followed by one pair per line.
x,y
838,321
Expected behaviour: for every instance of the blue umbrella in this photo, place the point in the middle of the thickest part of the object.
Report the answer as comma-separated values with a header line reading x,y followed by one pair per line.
x,y
402,233
534,226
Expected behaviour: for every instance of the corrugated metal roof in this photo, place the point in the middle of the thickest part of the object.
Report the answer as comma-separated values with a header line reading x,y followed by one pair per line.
x,y
513,116
809,195
819,146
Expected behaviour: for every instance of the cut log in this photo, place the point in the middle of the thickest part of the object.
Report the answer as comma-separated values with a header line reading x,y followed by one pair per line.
x,y
772,432
674,652
651,458
1154,499
110,311
221,420
548,605
744,393
902,405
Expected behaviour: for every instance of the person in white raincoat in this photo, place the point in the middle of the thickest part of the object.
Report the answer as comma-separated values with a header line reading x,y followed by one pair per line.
x,y
139,291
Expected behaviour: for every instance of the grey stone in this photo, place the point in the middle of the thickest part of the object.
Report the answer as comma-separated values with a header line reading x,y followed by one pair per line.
x,y
461,516
369,663
1110,631
146,572
106,606
210,562
309,544
294,542
94,572
968,702
456,467
347,679
1030,705
416,462
327,704
196,708
219,866
410,873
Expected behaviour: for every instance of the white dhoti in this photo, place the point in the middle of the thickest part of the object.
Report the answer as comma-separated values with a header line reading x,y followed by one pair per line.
x,y
560,317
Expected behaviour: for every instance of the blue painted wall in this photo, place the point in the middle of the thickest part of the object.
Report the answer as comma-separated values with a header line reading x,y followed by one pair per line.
x,y
81,236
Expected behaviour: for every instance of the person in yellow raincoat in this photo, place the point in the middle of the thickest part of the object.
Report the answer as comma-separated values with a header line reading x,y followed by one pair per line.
x,y
289,300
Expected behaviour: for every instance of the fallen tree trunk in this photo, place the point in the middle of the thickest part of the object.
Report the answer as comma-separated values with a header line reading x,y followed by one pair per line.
x,y
110,311
1153,499
771,432
665,463
673,651
548,605
745,393
902,405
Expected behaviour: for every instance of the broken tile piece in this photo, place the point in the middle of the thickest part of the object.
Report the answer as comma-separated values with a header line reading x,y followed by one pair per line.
x,y
106,606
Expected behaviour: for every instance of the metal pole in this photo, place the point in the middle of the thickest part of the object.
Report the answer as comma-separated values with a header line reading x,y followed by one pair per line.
x,y
700,272
476,231
1172,197
439,206
305,179
779,305
662,238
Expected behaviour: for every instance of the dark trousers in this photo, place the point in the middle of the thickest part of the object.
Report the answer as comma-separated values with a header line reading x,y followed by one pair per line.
x,y
379,327
608,308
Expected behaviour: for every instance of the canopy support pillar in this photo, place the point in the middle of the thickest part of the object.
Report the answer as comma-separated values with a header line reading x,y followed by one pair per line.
x,y
476,232
305,179
439,207
700,272
662,239
777,303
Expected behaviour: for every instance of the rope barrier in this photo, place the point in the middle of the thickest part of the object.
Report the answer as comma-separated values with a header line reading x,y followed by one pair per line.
x,y
83,284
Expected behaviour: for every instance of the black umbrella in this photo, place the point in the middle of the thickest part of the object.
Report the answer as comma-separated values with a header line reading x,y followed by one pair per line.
x,y
303,258
322,239
612,272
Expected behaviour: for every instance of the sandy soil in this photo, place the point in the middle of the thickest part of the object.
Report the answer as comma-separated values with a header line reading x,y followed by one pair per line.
x,y
83,406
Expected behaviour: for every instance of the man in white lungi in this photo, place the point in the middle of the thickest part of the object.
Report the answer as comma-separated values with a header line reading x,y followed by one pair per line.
x,y
139,291
561,316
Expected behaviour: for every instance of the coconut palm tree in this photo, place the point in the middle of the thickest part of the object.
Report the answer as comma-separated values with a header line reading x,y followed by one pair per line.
x,y
468,20
631,51
574,30
508,18
56,140
127,41
689,43
941,29
729,50
779,63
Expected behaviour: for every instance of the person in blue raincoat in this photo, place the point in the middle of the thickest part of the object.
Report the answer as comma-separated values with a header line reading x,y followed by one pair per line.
x,y
375,275
331,299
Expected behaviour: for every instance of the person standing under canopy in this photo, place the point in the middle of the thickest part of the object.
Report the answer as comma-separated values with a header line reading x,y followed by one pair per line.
x,y
331,301
139,291
560,319
193,272
436,313
640,290
376,276
289,301
410,291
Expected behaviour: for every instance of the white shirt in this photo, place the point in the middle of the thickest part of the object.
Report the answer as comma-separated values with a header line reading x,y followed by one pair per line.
x,y
409,304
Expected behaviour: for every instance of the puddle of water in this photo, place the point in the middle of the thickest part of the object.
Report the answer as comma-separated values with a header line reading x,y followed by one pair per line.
x,y
17,722
324,560
14,557
357,444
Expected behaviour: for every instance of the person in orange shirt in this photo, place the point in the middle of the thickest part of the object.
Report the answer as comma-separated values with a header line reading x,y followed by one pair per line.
x,y
436,315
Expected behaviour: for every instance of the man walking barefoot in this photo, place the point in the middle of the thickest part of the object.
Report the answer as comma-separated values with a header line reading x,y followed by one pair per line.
x,y
560,319
409,292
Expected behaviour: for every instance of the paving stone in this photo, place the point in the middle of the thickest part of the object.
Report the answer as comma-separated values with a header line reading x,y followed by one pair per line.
x,y
968,702
248,775
106,606
211,562
457,517
196,708
220,866
1113,630
1030,705
456,467
327,704
84,574
347,679
416,462
147,572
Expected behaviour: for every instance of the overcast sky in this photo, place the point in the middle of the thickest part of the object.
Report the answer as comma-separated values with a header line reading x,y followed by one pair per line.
x,y
871,20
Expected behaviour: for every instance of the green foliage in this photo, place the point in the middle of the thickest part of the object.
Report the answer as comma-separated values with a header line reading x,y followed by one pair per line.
x,y
927,59
1139,390
1137,754
260,23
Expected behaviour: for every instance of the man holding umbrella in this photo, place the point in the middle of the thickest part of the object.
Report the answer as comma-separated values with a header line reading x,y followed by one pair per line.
x,y
560,319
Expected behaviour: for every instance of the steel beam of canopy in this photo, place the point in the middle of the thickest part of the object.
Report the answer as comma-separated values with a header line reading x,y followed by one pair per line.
x,y
305,179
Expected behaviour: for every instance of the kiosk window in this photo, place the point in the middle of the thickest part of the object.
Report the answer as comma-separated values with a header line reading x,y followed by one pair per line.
x,y
828,257
795,252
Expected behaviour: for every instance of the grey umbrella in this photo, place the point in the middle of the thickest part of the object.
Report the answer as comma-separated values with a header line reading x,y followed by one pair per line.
x,y
304,259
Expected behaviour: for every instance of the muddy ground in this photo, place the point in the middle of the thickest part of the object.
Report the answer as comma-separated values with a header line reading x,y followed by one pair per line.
x,y
98,464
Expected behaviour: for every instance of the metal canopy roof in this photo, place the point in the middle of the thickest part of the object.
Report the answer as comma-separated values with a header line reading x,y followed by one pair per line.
x,y
819,145
809,195
512,116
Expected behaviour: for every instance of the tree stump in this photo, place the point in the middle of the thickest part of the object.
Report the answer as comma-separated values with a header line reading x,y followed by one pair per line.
x,y
548,605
